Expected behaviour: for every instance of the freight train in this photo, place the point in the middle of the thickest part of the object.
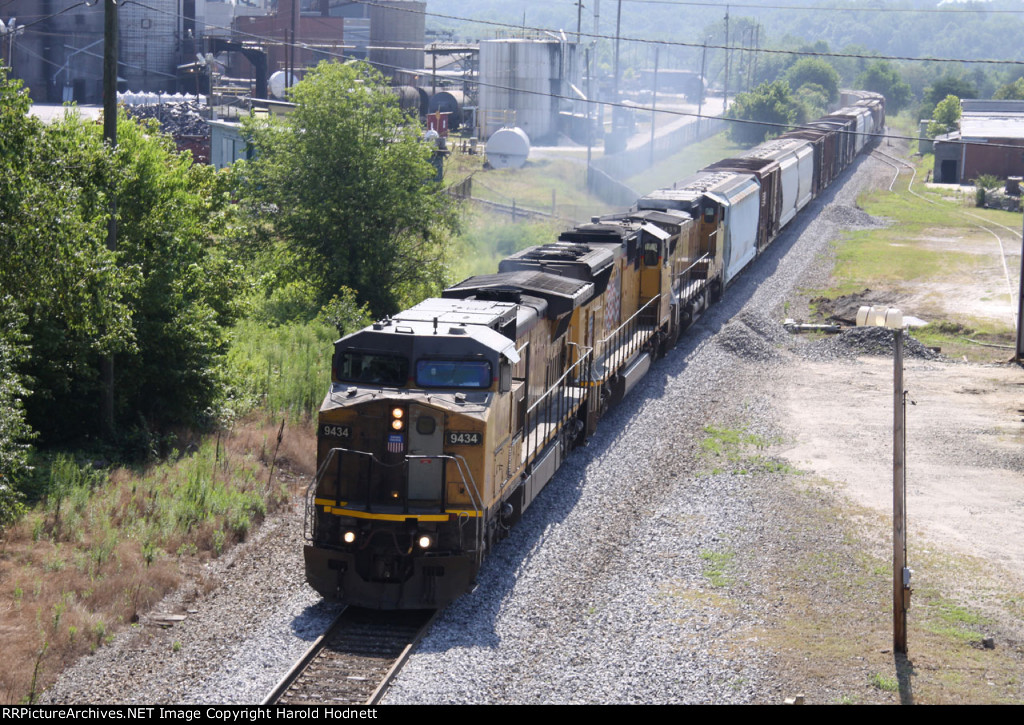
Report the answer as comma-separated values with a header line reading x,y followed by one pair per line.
x,y
443,423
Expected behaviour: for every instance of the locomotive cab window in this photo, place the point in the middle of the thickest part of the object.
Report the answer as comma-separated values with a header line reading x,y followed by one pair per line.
x,y
352,366
652,253
453,374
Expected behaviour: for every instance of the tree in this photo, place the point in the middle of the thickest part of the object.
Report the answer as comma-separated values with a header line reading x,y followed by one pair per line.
x,y
817,72
1010,91
14,430
345,180
769,103
882,77
158,303
946,117
941,88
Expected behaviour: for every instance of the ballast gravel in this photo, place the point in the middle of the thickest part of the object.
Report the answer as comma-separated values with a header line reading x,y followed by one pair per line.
x,y
642,574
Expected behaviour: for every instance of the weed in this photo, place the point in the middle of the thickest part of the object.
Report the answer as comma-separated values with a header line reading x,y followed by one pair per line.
x,y
176,646
716,566
884,683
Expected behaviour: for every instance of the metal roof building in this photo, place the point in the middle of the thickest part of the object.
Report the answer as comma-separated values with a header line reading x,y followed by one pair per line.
x,y
987,129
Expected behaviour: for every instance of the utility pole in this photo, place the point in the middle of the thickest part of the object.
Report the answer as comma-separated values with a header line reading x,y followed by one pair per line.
x,y
1019,356
110,138
590,123
725,94
900,585
654,101
700,101
618,25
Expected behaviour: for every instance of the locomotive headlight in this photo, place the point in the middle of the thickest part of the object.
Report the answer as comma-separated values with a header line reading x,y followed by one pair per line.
x,y
425,540
396,424
396,419
349,537
397,412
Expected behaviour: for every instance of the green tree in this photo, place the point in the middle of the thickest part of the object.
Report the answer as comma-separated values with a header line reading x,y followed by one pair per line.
x,y
158,303
15,432
946,117
345,180
814,100
64,282
765,111
171,215
882,77
1010,91
816,72
941,88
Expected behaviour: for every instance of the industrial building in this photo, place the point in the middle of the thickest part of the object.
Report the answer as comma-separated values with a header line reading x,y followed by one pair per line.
x,y
990,141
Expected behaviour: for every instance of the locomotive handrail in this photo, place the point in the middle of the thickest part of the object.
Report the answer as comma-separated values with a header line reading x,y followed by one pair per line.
x,y
626,342
534,437
460,464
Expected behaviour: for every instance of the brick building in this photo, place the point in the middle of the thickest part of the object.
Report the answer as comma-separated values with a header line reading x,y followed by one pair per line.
x,y
987,129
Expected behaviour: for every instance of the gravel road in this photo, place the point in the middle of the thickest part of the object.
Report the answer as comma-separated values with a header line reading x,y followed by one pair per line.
x,y
611,589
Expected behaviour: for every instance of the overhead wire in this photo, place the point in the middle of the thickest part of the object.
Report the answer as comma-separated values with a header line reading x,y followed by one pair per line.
x,y
590,102
685,44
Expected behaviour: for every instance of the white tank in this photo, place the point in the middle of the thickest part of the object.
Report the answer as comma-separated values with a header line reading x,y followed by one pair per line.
x,y
508,148
277,83
520,75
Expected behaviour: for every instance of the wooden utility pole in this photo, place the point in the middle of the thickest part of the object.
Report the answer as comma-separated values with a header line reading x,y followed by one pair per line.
x,y
1019,356
725,92
900,588
110,138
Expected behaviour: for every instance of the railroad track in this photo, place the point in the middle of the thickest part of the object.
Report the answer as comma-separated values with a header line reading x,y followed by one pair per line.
x,y
353,662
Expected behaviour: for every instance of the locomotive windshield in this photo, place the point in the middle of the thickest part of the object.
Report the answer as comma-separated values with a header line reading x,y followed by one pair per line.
x,y
453,373
366,367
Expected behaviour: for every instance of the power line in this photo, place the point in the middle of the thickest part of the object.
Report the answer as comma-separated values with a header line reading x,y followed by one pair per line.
x,y
684,44
591,102
831,9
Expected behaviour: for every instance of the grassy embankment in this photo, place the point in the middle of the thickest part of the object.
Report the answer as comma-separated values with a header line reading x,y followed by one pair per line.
x,y
99,547
937,264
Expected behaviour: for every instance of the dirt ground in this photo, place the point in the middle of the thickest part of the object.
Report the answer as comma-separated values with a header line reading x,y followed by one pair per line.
x,y
965,447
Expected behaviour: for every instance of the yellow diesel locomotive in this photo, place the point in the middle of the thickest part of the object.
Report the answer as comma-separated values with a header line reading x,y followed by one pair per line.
x,y
443,423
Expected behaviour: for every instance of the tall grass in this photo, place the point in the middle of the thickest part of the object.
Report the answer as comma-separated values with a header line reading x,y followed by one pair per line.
x,y
285,370
102,547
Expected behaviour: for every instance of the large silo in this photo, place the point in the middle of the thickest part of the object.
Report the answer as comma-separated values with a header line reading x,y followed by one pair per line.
x,y
397,37
521,82
149,44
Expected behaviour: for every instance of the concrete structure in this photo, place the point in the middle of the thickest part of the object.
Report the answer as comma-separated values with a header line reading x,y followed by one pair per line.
x,y
226,144
983,145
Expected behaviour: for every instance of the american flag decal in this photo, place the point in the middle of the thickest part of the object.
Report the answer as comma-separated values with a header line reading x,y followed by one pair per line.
x,y
396,443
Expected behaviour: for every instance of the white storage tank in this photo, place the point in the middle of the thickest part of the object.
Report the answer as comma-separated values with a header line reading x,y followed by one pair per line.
x,y
524,76
508,148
